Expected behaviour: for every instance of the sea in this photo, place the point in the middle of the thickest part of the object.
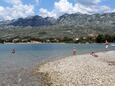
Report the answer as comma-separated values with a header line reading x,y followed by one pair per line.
x,y
30,55
27,55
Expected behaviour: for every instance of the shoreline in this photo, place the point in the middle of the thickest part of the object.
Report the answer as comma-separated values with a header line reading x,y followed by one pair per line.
x,y
57,72
53,43
63,71
33,43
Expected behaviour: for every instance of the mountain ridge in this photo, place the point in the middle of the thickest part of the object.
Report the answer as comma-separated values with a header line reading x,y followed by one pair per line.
x,y
71,19
67,25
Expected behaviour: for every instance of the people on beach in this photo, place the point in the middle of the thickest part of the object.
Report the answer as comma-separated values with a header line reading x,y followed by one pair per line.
x,y
13,51
93,54
74,51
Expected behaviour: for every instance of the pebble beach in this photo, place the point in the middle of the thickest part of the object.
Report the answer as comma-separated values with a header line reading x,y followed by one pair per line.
x,y
80,70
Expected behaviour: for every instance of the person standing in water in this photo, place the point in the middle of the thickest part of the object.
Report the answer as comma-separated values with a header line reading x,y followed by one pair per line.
x,y
74,51
106,44
13,51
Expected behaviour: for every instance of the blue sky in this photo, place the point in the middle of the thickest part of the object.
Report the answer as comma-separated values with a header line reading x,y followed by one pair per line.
x,y
12,9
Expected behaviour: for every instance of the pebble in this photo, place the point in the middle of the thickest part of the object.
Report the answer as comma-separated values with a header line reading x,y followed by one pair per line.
x,y
82,70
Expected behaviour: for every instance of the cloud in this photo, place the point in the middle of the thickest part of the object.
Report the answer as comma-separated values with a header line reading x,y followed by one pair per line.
x,y
60,7
89,2
63,6
14,2
81,6
106,9
17,10
46,13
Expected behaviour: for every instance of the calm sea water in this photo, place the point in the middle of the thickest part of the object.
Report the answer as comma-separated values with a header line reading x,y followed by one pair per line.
x,y
29,54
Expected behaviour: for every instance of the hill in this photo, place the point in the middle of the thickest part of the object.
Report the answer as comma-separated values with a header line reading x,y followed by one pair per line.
x,y
67,25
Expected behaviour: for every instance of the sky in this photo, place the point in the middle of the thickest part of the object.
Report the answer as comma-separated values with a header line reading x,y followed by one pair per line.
x,y
13,9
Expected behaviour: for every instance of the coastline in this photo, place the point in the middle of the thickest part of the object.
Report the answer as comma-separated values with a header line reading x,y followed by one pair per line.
x,y
80,70
34,43
111,44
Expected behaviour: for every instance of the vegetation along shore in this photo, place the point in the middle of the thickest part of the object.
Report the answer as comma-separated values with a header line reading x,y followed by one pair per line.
x,y
88,39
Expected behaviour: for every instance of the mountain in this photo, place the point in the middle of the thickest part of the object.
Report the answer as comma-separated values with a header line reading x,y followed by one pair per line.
x,y
67,25
30,21
66,19
84,19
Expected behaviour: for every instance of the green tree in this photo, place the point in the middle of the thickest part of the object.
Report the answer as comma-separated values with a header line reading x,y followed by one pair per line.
x,y
100,38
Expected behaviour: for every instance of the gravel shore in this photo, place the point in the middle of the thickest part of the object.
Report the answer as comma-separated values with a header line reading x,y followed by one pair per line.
x,y
81,70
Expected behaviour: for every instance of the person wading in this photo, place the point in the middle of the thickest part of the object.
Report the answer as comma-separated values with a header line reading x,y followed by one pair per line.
x,y
106,44
74,51
13,51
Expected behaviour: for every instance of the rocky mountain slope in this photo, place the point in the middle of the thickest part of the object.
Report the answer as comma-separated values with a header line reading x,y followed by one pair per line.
x,y
67,25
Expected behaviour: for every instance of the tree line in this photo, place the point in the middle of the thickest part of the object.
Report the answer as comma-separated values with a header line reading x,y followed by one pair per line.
x,y
96,39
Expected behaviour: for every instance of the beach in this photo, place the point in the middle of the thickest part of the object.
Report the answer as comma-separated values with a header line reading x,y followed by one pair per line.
x,y
77,70
80,70
24,67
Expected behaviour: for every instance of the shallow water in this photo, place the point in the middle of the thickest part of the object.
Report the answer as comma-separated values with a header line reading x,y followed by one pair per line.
x,y
29,54
15,69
